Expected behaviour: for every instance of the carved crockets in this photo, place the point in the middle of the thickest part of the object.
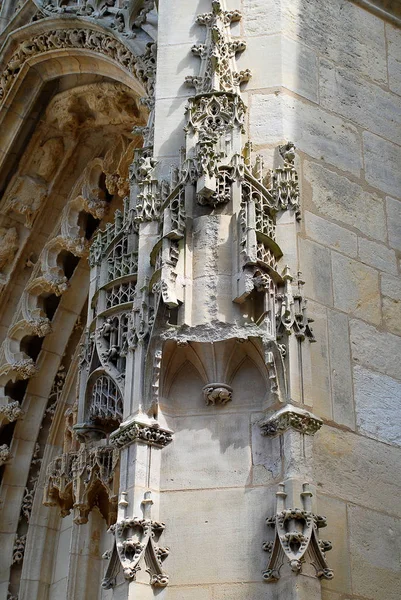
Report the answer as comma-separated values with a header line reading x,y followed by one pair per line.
x,y
296,536
136,542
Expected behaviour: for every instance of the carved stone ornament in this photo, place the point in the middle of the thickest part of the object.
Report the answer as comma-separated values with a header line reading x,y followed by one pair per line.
x,y
296,538
64,38
217,393
8,246
135,541
19,549
136,431
291,417
124,17
84,479
10,412
5,454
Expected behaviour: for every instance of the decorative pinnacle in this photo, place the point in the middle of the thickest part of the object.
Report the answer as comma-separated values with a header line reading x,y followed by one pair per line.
x,y
218,69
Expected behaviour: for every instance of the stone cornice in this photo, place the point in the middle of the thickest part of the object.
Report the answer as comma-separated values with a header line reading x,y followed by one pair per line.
x,y
290,417
135,431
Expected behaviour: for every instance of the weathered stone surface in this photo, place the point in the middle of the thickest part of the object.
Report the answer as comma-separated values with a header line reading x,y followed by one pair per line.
x,y
377,402
394,57
364,103
382,160
315,262
291,65
375,549
218,455
391,303
195,593
342,32
277,117
340,199
393,208
377,255
340,369
266,456
391,286
329,234
316,365
261,18
194,519
336,531
356,288
375,349
357,468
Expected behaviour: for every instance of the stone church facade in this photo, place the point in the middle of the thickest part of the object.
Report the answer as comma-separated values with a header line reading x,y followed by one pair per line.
x,y
200,374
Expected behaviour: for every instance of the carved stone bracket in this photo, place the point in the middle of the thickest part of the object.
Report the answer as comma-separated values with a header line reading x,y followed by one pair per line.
x,y
291,417
135,541
296,538
136,431
217,393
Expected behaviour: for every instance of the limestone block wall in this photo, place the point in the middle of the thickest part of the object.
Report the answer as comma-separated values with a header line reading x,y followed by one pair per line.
x,y
337,95
326,75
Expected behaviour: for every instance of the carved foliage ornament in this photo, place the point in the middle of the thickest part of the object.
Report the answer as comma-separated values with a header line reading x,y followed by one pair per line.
x,y
129,433
291,417
57,39
124,18
135,540
296,538
81,480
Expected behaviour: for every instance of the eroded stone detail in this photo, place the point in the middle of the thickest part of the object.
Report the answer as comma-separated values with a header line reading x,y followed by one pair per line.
x,y
74,477
5,454
136,540
8,246
217,393
57,39
10,412
296,538
135,431
291,417
19,549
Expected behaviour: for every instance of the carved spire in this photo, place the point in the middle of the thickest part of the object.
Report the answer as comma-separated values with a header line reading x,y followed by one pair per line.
x,y
218,66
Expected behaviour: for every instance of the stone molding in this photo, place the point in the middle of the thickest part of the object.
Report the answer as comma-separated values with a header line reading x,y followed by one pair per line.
x,y
136,431
79,38
290,417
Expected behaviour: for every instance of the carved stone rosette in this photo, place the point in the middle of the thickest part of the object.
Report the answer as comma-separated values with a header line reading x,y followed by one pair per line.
x,y
296,538
290,417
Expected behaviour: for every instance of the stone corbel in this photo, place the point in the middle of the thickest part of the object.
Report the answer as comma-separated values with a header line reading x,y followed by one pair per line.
x,y
217,393
141,431
290,417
